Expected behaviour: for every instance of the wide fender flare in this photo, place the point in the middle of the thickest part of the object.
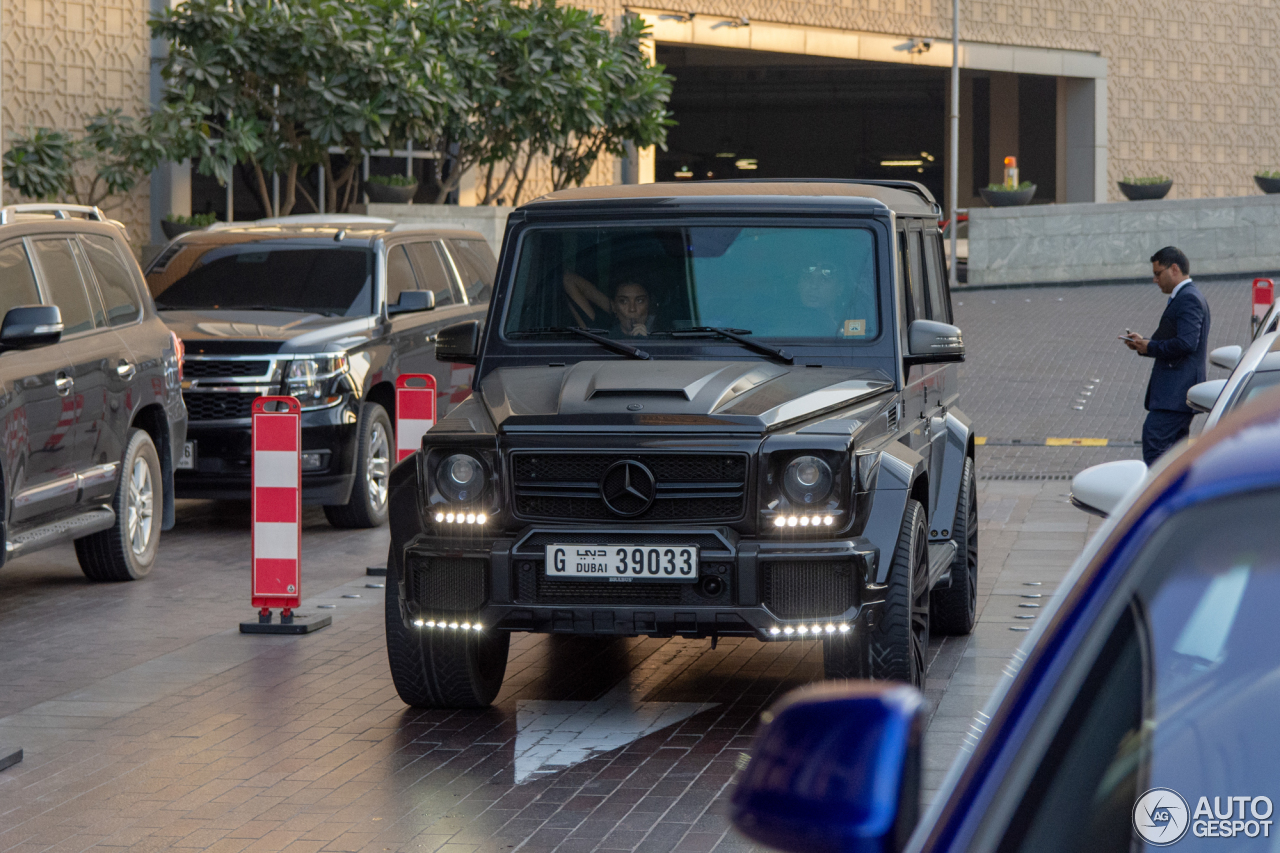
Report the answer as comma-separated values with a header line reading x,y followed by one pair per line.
x,y
404,496
892,474
959,446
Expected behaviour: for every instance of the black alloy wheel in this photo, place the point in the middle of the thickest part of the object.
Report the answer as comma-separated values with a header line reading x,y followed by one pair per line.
x,y
898,645
955,608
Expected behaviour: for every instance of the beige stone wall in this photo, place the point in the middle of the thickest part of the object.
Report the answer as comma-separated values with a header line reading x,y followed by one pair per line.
x,y
65,60
1191,83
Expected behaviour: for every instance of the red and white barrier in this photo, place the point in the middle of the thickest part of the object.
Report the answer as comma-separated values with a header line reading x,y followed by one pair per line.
x,y
277,504
415,411
1264,293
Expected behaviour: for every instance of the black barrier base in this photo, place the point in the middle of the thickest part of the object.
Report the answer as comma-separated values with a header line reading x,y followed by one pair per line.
x,y
9,757
300,624
376,571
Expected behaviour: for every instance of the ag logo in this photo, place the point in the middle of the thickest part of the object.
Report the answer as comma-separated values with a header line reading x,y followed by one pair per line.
x,y
1160,817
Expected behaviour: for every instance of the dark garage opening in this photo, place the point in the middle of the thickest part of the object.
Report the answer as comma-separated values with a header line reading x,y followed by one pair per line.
x,y
752,114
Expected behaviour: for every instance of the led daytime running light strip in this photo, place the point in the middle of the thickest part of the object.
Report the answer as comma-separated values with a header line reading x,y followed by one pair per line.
x,y
803,520
789,632
462,517
464,626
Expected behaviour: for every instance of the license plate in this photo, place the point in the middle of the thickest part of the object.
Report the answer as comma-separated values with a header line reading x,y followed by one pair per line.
x,y
623,563
187,459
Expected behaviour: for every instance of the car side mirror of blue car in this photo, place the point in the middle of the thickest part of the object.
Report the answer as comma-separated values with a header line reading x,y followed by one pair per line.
x,y
835,767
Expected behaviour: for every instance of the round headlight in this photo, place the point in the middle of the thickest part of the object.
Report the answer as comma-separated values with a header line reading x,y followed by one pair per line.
x,y
460,477
807,480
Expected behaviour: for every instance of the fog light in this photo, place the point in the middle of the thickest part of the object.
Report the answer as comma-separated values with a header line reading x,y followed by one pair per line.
x,y
481,518
449,517
831,629
431,623
792,521
802,630
439,516
471,518
804,521
477,627
315,460
779,521
844,627
788,630
775,630
828,521
418,623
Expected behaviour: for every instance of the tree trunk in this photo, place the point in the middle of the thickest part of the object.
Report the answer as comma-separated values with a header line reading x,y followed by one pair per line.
x,y
264,194
290,190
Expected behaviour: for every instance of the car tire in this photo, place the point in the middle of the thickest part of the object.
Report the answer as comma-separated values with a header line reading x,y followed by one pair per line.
x,y
127,550
898,643
955,608
375,445
441,669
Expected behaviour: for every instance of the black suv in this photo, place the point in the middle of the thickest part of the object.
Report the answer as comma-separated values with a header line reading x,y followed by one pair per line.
x,y
706,410
90,393
328,309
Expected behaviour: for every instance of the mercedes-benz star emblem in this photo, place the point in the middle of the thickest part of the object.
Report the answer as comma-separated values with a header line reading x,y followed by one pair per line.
x,y
628,488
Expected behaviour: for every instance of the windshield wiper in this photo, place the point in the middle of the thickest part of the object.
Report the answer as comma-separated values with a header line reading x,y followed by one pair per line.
x,y
589,334
739,335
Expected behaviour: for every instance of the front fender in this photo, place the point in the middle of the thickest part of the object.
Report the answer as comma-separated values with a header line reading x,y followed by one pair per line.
x,y
959,438
404,501
889,476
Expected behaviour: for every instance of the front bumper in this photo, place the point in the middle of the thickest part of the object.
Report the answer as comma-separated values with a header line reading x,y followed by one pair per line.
x,y
769,589
223,458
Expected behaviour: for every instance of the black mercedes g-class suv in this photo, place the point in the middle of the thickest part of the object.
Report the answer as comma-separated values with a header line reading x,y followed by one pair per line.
x,y
330,309
700,410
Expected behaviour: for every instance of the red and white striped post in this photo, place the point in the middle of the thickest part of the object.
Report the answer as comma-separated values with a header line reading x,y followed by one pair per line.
x,y
1264,293
277,506
415,411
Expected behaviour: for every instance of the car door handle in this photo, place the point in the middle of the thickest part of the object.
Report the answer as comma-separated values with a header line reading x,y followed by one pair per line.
x,y
63,384
125,370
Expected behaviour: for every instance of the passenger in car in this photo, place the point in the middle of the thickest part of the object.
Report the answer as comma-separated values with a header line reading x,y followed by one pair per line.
x,y
631,305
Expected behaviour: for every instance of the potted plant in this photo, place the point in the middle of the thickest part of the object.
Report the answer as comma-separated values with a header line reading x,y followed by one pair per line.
x,y
391,189
1145,189
1268,182
998,195
173,225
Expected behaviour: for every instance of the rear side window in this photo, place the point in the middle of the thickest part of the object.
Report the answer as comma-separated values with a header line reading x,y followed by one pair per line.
x,y
915,275
115,282
17,283
63,283
939,304
477,266
399,274
432,273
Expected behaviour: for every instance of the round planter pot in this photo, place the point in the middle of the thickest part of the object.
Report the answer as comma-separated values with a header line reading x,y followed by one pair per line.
x,y
173,229
1145,192
1267,185
383,194
1008,198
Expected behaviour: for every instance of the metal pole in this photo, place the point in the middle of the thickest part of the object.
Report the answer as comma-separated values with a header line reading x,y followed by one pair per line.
x,y
954,189
322,199
365,176
275,176
231,197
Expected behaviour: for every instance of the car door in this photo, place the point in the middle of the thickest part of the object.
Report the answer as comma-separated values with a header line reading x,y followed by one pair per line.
x,y
103,398
941,380
39,422
117,293
410,332
438,273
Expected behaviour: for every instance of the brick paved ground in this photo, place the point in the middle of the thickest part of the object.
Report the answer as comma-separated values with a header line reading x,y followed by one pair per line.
x,y
149,723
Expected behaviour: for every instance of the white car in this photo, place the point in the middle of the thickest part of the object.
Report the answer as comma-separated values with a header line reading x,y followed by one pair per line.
x,y
1254,371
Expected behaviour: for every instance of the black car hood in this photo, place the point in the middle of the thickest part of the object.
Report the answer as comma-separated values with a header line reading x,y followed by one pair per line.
x,y
735,395
233,331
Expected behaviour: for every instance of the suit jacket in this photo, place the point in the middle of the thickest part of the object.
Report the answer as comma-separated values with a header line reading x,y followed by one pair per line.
x,y
1180,347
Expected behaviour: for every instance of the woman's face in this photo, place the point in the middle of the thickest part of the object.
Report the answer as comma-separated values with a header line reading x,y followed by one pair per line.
x,y
631,305
819,285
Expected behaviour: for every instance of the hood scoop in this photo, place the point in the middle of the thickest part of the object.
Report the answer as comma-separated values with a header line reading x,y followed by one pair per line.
x,y
701,386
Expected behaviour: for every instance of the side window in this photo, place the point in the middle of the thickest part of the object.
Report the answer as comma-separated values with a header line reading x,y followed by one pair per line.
x,y
915,275
478,267
432,272
399,274
115,282
17,282
63,283
936,280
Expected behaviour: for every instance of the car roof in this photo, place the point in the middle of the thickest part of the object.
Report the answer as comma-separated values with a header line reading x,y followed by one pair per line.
x,y
906,198
320,227
72,217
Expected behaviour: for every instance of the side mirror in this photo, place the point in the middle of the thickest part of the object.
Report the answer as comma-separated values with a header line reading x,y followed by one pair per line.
x,y
835,767
1100,489
412,300
459,343
931,342
1226,357
1202,396
30,326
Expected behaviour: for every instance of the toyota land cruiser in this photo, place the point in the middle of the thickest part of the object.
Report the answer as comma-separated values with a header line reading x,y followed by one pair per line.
x,y
700,410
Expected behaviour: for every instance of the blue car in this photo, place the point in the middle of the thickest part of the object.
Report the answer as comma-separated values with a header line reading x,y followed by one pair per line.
x,y
1143,712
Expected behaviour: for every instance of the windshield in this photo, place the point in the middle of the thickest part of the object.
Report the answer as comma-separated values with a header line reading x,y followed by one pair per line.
x,y
279,275
654,282
1257,384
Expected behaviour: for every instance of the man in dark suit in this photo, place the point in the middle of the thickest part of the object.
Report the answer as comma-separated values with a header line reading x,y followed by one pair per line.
x,y
1180,348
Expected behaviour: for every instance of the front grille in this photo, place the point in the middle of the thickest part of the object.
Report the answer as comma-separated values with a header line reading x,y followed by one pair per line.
x,y
198,369
217,405
447,584
808,589
690,487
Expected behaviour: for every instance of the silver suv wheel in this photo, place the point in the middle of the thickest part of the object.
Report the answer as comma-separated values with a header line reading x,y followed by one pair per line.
x,y
378,466
139,507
